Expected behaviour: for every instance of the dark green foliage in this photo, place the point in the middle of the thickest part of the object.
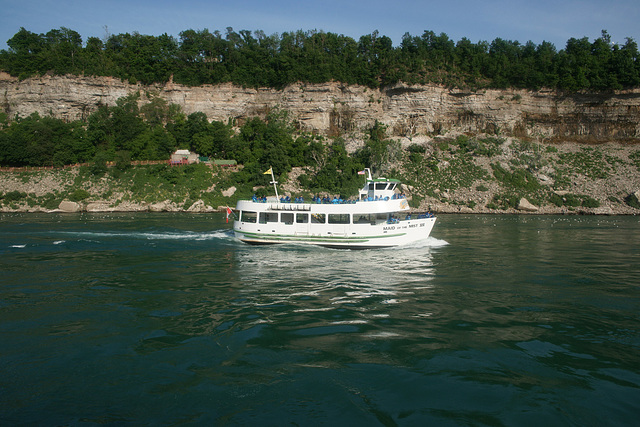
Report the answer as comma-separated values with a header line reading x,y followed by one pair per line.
x,y
99,165
505,201
416,153
50,201
415,201
487,147
556,199
378,152
573,200
254,59
13,196
262,144
635,158
181,184
590,202
518,179
123,160
632,201
119,134
448,168
589,161
416,148
79,195
338,175
43,141
551,149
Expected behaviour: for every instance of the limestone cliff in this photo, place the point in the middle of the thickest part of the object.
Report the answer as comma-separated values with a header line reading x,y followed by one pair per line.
x,y
332,108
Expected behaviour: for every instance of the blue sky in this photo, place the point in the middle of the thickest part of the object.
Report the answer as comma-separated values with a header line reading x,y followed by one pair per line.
x,y
522,20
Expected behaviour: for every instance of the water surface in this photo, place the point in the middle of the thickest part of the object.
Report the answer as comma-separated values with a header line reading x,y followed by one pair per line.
x,y
153,319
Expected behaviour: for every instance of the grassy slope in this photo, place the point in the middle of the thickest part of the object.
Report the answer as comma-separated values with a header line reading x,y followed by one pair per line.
x,y
452,175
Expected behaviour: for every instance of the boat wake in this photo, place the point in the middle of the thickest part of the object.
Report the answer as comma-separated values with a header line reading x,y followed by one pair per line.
x,y
152,235
429,242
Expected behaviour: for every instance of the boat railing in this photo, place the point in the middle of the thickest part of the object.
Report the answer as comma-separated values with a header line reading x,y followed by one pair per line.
x,y
328,200
410,216
383,198
290,207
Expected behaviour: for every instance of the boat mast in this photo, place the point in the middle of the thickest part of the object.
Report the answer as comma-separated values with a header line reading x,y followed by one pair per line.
x,y
368,171
274,182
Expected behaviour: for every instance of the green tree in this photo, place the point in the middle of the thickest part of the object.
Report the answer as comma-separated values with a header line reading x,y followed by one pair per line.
x,y
339,172
63,49
254,59
378,153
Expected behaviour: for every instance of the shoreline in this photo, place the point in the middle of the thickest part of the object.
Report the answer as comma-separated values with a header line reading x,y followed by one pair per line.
x,y
448,178
200,208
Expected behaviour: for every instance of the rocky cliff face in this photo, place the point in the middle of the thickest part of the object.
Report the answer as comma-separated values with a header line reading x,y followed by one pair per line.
x,y
334,108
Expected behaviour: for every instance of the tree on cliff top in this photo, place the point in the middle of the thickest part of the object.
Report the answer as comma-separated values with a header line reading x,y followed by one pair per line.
x,y
256,60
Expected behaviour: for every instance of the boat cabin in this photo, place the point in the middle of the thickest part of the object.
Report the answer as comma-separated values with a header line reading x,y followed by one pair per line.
x,y
379,189
289,218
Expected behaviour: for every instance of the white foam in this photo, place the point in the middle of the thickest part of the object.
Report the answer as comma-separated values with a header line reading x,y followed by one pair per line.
x,y
429,242
172,235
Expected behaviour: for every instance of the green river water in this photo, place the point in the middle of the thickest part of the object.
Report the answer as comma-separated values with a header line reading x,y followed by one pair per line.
x,y
164,319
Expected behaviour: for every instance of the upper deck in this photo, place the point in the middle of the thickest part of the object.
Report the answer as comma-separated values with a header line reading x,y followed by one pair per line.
x,y
359,206
376,196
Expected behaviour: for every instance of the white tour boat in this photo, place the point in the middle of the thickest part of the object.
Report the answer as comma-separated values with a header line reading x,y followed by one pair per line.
x,y
379,218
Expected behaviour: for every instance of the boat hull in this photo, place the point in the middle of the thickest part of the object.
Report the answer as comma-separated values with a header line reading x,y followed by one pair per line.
x,y
354,237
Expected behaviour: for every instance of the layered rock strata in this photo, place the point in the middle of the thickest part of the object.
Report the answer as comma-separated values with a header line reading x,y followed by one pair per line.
x,y
334,108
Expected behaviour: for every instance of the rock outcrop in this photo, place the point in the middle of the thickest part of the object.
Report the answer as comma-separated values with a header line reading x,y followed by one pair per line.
x,y
200,206
67,206
333,108
526,206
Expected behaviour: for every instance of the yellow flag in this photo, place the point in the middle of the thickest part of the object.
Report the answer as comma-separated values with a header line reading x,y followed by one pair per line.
x,y
269,172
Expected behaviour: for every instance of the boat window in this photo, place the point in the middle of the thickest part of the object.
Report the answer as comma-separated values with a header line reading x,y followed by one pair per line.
x,y
266,217
382,217
392,186
381,185
248,216
364,219
338,218
286,217
302,218
318,218
371,186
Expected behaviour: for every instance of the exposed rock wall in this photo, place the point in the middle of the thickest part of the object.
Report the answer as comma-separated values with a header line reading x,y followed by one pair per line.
x,y
333,108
